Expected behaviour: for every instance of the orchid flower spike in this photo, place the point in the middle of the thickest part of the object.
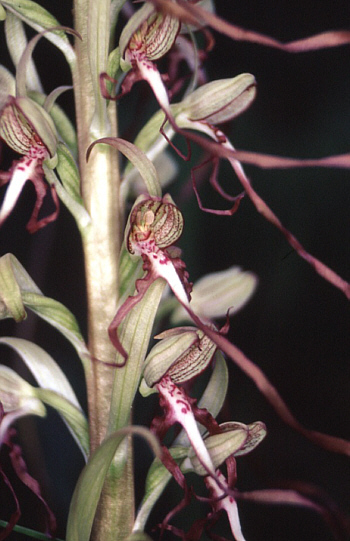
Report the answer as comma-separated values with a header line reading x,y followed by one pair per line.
x,y
29,130
148,36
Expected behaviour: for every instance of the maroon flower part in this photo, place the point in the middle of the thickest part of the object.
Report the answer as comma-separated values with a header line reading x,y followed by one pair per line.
x,y
178,407
20,468
27,129
155,224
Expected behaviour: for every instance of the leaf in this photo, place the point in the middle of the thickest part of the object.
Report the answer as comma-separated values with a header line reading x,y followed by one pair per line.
x,y
16,41
137,158
18,292
45,370
73,417
127,378
157,479
40,19
68,173
56,390
88,489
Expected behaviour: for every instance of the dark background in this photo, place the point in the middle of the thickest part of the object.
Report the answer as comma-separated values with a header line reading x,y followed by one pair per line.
x,y
296,327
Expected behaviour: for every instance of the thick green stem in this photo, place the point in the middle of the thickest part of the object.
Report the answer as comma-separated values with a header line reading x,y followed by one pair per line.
x,y
101,245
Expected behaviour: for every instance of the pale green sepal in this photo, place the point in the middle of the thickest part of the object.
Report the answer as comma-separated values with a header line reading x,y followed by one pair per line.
x,y
73,417
157,479
40,121
237,439
256,433
16,40
2,13
215,293
40,19
221,100
88,489
165,353
220,447
62,123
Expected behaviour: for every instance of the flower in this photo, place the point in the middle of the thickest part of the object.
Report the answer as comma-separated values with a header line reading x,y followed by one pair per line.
x,y
29,130
147,36
182,355
154,225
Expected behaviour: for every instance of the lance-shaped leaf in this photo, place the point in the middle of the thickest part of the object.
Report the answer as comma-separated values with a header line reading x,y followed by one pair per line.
x,y
55,390
18,399
18,292
88,489
39,18
134,335
16,40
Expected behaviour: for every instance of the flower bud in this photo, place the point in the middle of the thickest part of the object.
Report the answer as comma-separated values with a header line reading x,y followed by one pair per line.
x,y
220,101
154,222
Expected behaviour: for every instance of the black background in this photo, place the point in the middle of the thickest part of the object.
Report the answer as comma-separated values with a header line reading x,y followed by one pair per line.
x,y
296,328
